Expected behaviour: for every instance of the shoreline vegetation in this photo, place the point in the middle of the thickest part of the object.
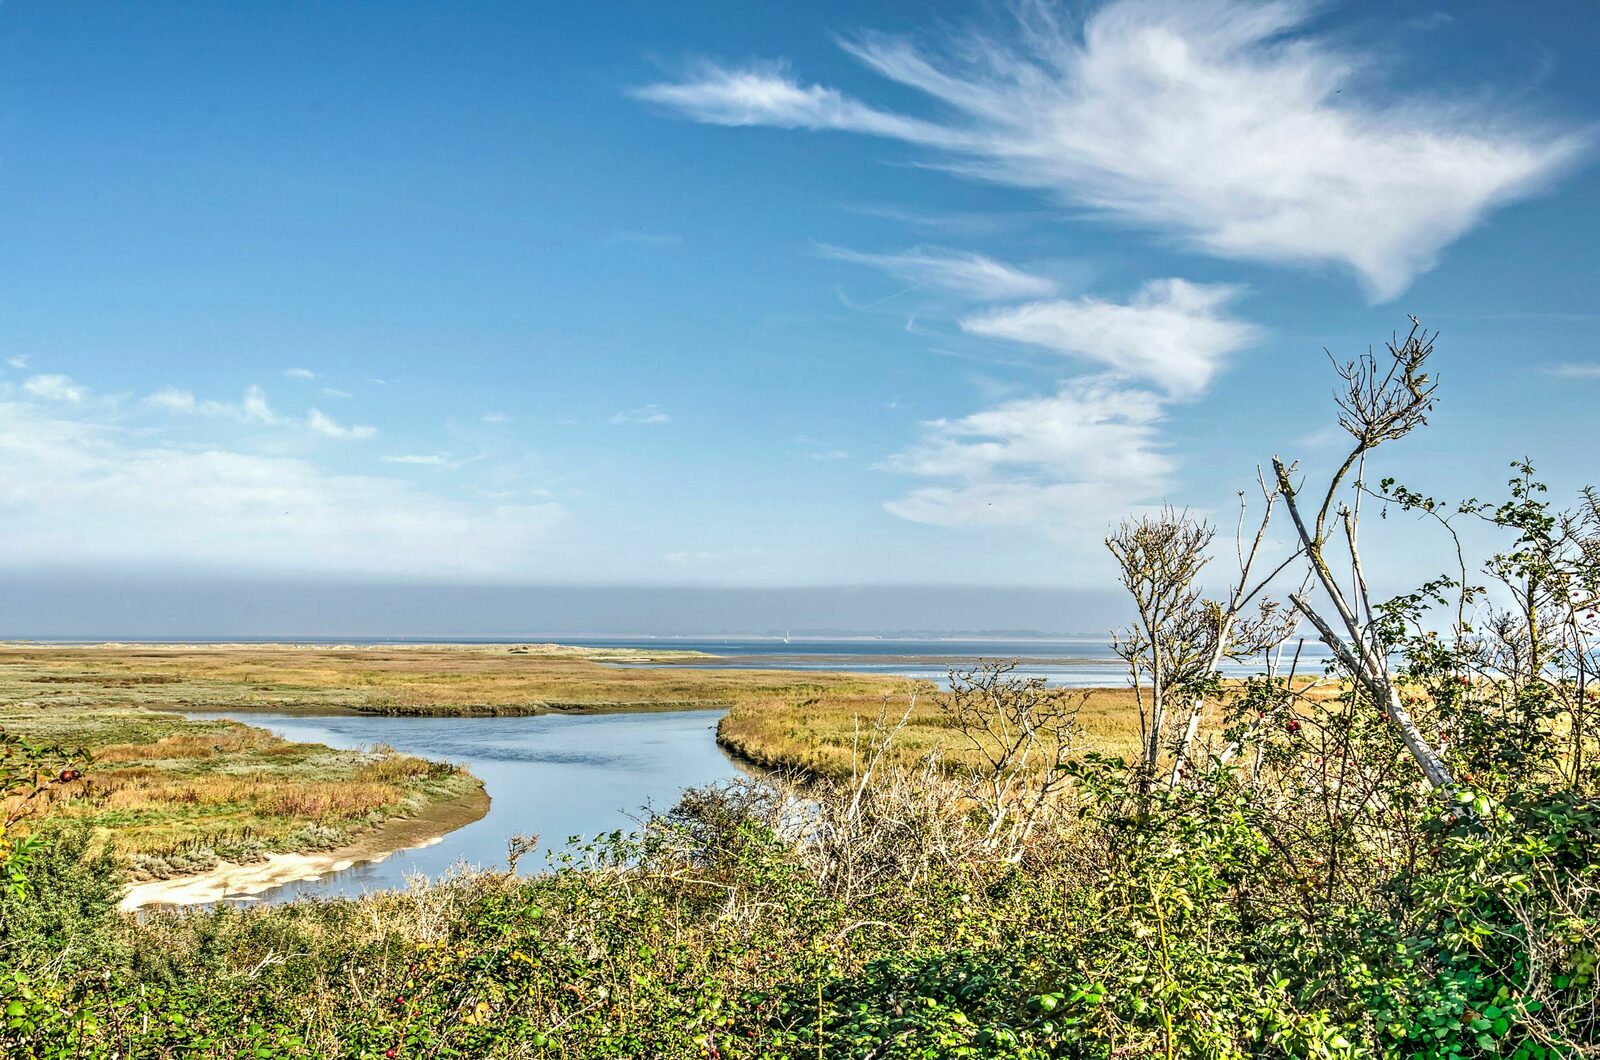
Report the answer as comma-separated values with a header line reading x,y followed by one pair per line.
x,y
232,881
170,796
442,680
128,704
190,843
198,808
824,737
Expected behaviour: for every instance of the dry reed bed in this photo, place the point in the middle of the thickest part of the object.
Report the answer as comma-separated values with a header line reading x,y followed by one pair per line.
x,y
172,794
411,679
162,784
161,780
823,736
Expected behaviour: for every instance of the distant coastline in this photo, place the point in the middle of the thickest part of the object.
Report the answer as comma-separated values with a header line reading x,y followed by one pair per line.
x,y
589,640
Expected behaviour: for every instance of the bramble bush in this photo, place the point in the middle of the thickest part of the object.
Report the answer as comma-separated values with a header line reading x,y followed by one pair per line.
x,y
1163,927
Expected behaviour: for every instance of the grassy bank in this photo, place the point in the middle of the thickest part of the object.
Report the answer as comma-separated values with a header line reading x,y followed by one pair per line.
x,y
173,796
820,735
422,679
776,719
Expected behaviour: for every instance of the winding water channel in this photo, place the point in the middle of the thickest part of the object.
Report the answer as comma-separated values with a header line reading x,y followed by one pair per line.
x,y
554,776
583,775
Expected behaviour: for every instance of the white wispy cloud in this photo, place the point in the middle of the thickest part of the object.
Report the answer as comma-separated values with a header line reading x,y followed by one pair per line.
x,y
255,408
965,223
55,388
1094,446
967,274
816,449
644,414
1172,333
335,392
326,426
83,489
19,361
1061,461
422,459
1223,121
299,373
172,399
495,417
765,94
642,237
1575,370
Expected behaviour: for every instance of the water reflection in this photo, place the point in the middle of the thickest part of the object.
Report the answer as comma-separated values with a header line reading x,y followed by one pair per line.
x,y
551,775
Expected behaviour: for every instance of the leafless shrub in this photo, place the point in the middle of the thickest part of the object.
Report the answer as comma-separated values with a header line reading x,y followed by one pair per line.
x,y
1024,734
1173,641
1383,400
1179,640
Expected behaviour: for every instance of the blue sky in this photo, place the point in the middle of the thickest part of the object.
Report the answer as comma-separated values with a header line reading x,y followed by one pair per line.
x,y
759,294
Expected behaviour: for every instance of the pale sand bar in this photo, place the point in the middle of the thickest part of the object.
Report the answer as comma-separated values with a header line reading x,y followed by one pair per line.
x,y
232,881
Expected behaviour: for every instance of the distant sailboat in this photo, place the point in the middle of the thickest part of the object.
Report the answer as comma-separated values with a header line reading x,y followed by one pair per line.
x,y
786,636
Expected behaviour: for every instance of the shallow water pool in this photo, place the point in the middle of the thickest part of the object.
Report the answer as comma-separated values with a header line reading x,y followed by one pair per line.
x,y
557,776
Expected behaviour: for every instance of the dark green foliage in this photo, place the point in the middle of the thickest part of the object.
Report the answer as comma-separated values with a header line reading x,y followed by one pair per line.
x,y
27,772
73,884
1165,932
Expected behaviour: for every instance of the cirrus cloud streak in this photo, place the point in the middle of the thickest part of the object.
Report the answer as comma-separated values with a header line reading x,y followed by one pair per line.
x,y
967,274
1223,122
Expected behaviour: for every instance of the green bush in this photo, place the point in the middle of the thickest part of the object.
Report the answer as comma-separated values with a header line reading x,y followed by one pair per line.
x,y
73,884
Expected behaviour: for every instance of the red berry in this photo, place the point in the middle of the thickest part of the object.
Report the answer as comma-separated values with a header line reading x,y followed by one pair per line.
x,y
1293,726
391,1053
